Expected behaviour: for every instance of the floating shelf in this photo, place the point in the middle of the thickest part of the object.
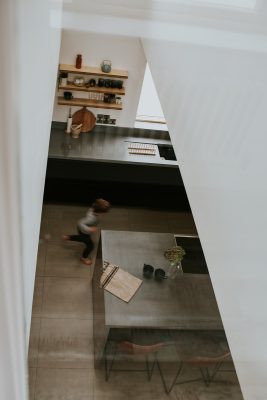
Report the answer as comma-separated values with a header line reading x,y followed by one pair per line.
x,y
94,89
115,73
89,103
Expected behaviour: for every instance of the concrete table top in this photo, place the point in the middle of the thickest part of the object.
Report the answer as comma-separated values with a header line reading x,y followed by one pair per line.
x,y
186,302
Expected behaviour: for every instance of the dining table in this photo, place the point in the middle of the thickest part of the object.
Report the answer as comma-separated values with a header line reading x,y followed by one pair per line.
x,y
186,302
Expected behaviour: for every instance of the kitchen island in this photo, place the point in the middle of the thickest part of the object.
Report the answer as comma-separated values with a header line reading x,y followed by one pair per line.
x,y
99,162
185,303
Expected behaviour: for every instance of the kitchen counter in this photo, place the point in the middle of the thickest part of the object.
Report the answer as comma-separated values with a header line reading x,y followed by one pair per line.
x,y
98,164
107,144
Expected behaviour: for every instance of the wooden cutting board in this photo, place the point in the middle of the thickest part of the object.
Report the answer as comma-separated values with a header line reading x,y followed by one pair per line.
x,y
84,117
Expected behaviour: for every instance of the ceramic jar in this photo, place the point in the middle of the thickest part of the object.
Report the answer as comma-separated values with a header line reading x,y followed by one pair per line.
x,y
106,66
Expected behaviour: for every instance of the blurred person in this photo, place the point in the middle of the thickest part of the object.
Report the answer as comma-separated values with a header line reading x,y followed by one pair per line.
x,y
88,225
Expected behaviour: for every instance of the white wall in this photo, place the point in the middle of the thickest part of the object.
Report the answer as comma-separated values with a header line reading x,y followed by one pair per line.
x,y
29,40
39,44
125,53
12,331
214,100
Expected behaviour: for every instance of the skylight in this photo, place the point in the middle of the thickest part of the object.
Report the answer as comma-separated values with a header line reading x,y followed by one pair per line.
x,y
149,108
241,4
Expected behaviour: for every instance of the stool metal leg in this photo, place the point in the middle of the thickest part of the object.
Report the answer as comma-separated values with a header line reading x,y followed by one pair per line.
x,y
108,369
150,371
168,390
208,377
110,366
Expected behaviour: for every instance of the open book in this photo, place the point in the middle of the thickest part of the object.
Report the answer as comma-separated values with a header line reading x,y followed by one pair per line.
x,y
119,282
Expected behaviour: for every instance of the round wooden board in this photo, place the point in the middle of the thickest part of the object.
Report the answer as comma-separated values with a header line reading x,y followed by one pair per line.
x,y
84,117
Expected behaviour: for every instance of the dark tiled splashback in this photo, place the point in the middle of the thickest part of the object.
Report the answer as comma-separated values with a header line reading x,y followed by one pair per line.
x,y
122,131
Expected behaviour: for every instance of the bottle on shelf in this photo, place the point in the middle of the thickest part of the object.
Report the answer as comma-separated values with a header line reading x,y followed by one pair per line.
x,y
78,64
69,122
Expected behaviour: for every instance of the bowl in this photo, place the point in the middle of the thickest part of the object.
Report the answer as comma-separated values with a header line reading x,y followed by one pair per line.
x,y
78,81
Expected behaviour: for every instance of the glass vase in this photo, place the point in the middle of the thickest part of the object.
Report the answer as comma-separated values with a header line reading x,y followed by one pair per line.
x,y
175,269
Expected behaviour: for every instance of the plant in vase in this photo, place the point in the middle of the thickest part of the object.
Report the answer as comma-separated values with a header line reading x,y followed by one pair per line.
x,y
174,255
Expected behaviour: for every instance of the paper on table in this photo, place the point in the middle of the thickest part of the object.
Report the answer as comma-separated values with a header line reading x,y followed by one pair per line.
x,y
119,282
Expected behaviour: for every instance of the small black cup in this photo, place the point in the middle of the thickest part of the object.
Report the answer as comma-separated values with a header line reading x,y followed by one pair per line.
x,y
101,82
100,118
119,84
106,118
148,271
107,83
92,82
160,274
112,98
68,95
106,98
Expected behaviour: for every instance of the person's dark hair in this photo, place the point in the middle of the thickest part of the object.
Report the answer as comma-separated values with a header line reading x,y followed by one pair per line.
x,y
101,205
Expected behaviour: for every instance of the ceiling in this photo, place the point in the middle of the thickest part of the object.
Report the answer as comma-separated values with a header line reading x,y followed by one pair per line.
x,y
144,17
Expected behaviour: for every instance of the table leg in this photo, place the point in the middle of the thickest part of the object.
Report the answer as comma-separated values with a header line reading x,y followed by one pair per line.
x,y
100,330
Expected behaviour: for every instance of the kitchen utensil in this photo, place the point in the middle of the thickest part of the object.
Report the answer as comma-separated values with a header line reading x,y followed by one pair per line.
x,y
84,117
76,130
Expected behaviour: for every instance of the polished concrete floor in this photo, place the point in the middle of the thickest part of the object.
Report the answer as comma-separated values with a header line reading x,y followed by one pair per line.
x,y
61,343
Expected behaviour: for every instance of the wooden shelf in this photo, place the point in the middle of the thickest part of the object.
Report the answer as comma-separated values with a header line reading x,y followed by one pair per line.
x,y
94,89
89,103
95,71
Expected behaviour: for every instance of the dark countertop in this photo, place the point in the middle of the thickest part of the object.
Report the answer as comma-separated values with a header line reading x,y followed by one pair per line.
x,y
107,144
97,164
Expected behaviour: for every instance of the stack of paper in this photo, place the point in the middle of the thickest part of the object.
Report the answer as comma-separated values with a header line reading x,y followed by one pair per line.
x,y
119,282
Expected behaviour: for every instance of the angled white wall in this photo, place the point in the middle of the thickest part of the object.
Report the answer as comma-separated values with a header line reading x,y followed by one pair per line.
x,y
29,41
214,99
12,331
39,32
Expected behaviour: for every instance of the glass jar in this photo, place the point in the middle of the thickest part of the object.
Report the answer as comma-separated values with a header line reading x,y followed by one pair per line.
x,y
175,269
64,79
118,100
